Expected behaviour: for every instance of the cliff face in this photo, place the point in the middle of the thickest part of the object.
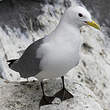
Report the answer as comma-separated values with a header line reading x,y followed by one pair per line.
x,y
21,23
101,11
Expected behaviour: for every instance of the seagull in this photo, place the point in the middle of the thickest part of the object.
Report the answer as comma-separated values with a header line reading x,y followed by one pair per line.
x,y
57,53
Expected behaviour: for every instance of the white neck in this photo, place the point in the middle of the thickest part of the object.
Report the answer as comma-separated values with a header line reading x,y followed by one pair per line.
x,y
67,31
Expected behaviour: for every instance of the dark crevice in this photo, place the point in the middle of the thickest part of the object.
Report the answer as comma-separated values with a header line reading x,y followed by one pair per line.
x,y
13,11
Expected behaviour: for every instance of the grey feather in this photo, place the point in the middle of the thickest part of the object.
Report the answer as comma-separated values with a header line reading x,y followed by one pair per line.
x,y
28,64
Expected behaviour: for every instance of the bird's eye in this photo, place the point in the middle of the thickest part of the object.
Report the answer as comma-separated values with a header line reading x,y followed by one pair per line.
x,y
80,15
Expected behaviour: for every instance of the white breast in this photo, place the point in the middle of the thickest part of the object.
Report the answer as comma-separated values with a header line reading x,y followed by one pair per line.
x,y
59,52
59,57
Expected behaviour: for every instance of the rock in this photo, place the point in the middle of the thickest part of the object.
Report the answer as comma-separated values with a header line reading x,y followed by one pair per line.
x,y
26,96
23,22
101,11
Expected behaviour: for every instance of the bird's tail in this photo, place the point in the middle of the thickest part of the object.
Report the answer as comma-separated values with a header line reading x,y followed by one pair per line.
x,y
11,62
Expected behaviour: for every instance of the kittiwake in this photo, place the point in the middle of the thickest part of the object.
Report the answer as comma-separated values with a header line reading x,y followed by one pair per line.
x,y
54,55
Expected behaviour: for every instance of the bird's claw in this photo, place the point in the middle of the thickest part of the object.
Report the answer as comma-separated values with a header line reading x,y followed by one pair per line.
x,y
63,94
46,100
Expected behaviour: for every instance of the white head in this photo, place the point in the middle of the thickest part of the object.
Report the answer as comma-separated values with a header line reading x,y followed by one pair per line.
x,y
79,16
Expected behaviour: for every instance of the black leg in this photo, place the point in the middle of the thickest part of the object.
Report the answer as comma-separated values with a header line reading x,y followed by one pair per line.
x,y
63,94
42,87
46,100
62,77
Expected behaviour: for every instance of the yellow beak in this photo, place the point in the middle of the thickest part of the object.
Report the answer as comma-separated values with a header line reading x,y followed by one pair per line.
x,y
93,24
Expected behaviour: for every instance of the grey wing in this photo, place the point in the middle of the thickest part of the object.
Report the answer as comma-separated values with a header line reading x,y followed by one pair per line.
x,y
28,64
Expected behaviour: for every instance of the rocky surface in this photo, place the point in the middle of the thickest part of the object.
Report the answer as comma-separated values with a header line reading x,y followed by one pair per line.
x,y
101,11
21,23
